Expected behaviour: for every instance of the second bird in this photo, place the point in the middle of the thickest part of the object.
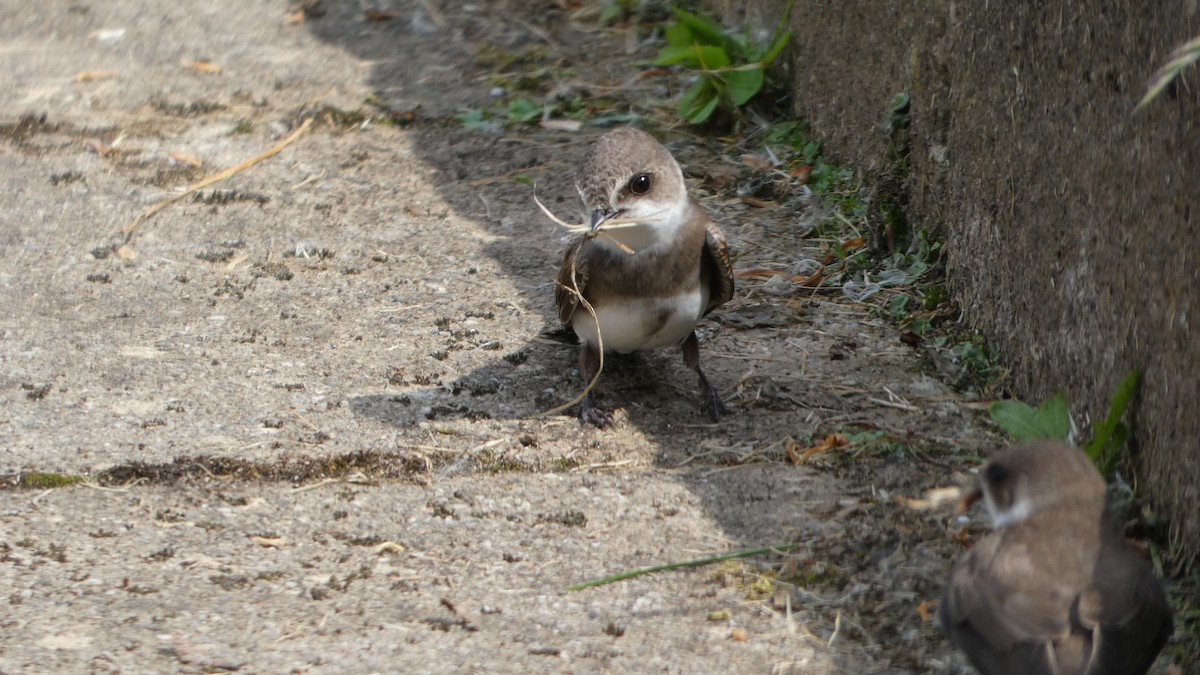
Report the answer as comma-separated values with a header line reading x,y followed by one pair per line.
x,y
649,283
1055,589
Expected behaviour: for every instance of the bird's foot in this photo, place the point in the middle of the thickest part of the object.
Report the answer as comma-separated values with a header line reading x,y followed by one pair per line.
x,y
590,414
713,406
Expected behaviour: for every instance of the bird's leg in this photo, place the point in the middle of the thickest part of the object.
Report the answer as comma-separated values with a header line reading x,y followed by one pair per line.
x,y
589,365
713,407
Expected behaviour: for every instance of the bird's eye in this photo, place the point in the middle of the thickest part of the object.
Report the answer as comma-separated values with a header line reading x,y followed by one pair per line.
x,y
640,184
994,474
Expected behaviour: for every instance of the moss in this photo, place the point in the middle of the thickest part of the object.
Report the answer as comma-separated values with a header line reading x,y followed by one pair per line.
x,y
294,469
489,462
566,463
38,480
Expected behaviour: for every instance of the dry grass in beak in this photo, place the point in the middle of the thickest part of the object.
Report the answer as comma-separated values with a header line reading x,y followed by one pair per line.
x,y
588,232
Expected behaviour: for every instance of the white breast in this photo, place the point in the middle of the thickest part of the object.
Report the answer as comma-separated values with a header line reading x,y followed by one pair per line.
x,y
642,323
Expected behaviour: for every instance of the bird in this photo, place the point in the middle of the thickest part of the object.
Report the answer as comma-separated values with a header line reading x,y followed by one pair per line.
x,y
1055,588
650,280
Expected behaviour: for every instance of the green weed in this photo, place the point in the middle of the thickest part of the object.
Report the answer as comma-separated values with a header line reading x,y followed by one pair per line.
x,y
1052,421
730,68
1186,55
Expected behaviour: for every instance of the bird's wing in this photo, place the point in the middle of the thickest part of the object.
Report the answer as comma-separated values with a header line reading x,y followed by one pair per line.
x,y
720,270
1001,629
572,280
1126,607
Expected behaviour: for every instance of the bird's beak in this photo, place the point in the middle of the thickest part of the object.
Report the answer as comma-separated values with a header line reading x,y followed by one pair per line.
x,y
968,500
598,217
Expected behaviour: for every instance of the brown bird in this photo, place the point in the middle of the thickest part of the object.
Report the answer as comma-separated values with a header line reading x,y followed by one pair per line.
x,y
650,282
1054,589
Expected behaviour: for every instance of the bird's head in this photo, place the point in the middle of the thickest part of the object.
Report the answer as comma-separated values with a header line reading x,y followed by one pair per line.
x,y
1025,479
627,175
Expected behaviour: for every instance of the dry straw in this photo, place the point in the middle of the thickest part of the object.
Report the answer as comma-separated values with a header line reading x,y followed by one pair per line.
x,y
573,289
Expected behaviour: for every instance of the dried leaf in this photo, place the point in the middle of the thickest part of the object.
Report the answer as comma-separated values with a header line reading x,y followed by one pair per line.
x,y
654,72
801,173
202,66
94,75
798,456
718,182
1139,547
967,500
185,158
811,281
963,537
927,609
853,244
378,15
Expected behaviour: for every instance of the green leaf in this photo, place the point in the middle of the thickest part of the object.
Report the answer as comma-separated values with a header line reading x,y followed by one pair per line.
x,y
811,150
786,133
783,35
476,120
700,57
1052,421
777,45
679,34
1108,459
920,326
694,92
916,270
743,84
701,114
704,28
612,11
740,45
698,103
1110,435
523,110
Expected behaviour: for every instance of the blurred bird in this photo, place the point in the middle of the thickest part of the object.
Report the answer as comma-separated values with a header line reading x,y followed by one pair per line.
x,y
650,277
1054,589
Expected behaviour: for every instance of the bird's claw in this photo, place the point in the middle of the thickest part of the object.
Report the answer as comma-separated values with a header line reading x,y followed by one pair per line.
x,y
713,406
590,414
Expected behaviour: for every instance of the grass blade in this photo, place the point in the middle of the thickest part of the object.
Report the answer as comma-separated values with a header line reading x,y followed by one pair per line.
x,y
698,562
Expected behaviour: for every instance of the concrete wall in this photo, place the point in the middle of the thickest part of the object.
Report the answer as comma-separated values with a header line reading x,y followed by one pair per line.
x,y
1072,223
